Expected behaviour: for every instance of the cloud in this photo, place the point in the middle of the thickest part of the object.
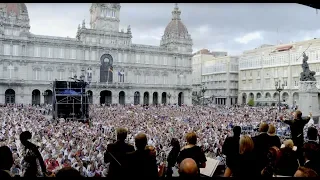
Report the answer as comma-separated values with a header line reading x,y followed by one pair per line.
x,y
249,37
231,27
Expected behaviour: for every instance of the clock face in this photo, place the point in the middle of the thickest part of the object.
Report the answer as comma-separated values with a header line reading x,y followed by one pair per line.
x,y
106,60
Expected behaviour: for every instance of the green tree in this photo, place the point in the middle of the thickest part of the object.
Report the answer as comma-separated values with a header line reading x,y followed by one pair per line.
x,y
251,102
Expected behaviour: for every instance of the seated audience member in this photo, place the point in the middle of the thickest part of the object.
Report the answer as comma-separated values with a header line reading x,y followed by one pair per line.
x,y
230,147
274,139
188,169
142,163
68,172
191,150
6,162
310,153
305,172
288,161
246,163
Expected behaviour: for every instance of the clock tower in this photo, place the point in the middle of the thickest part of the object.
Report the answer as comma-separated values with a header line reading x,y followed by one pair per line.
x,y
105,16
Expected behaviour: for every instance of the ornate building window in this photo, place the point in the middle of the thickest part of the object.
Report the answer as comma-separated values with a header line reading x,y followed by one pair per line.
x,y
60,75
87,55
137,58
93,55
73,54
36,74
10,68
15,50
36,51
50,52
89,73
61,54
121,76
7,49
49,75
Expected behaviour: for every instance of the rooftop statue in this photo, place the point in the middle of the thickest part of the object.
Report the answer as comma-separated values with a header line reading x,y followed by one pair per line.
x,y
306,74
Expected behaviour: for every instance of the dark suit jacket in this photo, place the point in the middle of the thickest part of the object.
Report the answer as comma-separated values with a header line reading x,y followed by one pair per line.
x,y
142,165
275,141
261,148
230,148
296,127
119,151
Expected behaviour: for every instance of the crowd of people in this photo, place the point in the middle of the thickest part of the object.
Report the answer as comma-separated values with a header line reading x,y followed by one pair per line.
x,y
160,140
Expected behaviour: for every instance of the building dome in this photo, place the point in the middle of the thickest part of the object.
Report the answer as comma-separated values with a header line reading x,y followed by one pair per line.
x,y
14,9
176,27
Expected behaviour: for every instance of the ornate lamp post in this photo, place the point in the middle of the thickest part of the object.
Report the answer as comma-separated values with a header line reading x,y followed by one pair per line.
x,y
169,96
203,90
279,88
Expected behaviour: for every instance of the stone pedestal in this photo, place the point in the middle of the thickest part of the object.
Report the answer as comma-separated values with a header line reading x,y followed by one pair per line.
x,y
308,98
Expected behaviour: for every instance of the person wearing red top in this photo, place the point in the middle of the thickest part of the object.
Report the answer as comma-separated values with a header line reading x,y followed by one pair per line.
x,y
52,164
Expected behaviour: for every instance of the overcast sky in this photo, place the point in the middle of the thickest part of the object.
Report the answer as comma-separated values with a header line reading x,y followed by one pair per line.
x,y
218,27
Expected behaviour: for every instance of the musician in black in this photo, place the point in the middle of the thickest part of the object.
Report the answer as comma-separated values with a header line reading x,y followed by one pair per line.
x,y
116,154
32,158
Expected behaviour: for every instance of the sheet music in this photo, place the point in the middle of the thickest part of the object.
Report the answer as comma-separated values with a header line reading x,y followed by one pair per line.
x,y
211,166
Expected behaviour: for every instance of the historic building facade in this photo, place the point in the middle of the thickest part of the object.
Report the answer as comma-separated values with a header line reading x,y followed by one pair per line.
x,y
218,74
118,70
260,69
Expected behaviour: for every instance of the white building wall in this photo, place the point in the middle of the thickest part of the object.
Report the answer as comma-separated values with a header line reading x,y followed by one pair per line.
x,y
260,68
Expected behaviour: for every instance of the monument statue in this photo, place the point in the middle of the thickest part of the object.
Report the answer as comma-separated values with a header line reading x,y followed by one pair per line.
x,y
306,74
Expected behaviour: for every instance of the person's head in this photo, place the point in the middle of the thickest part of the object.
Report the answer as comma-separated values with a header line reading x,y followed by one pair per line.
x,y
188,168
271,130
309,151
297,114
191,138
141,141
175,143
25,136
305,172
236,131
246,144
312,133
121,134
68,172
264,127
6,159
288,143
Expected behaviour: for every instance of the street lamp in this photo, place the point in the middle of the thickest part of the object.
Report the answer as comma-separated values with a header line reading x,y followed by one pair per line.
x,y
279,87
169,96
203,90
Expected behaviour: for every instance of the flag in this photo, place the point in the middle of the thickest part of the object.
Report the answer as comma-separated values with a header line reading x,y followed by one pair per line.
x,y
119,73
111,69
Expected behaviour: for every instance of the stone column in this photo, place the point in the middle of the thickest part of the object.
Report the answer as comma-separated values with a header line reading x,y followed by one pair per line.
x,y
308,98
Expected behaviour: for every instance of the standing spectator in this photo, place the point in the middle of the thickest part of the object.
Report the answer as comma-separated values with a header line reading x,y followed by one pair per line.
x,y
310,152
142,163
191,150
274,139
246,160
262,145
288,161
115,154
230,148
173,155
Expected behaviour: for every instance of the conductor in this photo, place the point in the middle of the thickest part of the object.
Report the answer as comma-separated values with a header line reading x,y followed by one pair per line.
x,y
296,127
